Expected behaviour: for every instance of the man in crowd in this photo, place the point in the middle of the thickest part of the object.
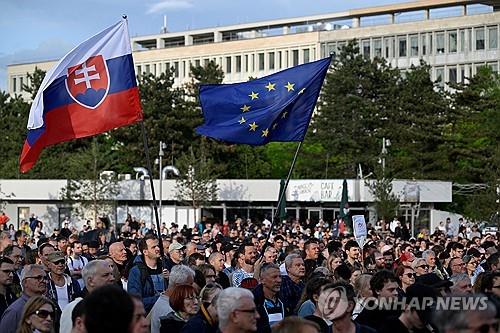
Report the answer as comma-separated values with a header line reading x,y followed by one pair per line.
x,y
175,255
311,249
456,266
34,283
76,262
146,278
216,259
270,307
292,284
96,274
351,249
14,253
7,296
246,259
118,254
61,288
236,311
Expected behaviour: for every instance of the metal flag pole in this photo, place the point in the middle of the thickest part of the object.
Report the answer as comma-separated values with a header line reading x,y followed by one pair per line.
x,y
281,198
155,206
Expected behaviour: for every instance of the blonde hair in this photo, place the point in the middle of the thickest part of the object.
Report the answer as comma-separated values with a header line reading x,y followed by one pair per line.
x,y
34,304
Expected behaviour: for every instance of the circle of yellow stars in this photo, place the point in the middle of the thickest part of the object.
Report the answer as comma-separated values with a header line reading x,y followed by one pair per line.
x,y
252,127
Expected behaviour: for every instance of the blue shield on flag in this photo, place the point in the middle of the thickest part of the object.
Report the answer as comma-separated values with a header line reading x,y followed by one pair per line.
x,y
88,83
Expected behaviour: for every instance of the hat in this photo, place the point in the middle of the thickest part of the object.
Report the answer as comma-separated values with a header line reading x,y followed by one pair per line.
x,y
55,256
175,246
433,280
226,247
94,244
200,247
415,294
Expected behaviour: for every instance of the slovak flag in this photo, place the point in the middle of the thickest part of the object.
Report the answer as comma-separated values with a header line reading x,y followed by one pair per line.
x,y
91,90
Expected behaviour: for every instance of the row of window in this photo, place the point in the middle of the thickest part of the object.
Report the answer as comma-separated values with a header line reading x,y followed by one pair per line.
x,y
424,44
248,63
17,83
460,73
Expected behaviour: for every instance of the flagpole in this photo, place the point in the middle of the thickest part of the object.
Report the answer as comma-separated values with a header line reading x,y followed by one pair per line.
x,y
281,198
155,206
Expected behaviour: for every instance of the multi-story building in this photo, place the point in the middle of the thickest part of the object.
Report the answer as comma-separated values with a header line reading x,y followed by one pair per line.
x,y
454,36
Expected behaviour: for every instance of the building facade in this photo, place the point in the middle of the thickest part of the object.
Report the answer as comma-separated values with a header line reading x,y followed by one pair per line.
x,y
455,37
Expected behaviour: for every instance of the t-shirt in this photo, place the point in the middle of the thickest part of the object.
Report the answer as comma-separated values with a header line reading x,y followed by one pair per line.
x,y
77,264
62,295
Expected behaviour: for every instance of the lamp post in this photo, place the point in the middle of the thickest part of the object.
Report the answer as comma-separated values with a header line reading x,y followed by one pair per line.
x,y
385,143
160,155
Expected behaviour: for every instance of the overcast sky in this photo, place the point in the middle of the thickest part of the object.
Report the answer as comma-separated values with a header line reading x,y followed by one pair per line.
x,y
35,30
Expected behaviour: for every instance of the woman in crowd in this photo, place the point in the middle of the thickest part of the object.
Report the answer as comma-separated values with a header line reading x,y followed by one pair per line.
x,y
38,316
420,266
363,292
205,321
406,277
184,302
310,296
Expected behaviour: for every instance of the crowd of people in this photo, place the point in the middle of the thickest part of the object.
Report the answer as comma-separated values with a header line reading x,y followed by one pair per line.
x,y
311,277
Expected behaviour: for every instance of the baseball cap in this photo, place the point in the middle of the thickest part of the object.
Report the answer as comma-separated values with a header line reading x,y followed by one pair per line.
x,y
55,256
386,248
200,247
175,246
433,280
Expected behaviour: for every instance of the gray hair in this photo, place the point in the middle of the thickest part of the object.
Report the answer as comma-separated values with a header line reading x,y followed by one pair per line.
x,y
28,271
455,278
91,269
267,267
451,319
290,258
228,300
428,253
179,275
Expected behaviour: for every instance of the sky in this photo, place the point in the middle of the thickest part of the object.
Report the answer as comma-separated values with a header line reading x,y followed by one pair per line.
x,y
37,30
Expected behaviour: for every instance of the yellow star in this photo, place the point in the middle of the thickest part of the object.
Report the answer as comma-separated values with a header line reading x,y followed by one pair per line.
x,y
275,125
242,120
289,86
254,95
245,108
302,91
270,86
265,132
284,114
253,126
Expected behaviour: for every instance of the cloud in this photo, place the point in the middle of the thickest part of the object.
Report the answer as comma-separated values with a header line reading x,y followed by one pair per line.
x,y
169,5
47,50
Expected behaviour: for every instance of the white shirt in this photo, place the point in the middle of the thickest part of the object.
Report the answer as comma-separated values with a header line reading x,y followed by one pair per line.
x,y
161,308
62,295
66,324
77,264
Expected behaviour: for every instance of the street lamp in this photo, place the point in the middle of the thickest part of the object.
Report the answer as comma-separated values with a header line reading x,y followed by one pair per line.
x,y
385,143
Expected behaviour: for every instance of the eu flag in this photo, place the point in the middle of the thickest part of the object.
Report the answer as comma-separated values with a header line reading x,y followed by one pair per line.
x,y
277,107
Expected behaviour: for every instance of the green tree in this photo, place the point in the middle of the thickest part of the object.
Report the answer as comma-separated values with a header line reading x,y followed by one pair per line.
x,y
386,202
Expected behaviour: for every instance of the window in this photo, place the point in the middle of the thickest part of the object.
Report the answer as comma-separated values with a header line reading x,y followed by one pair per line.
x,y
440,76
261,61
452,75
253,62
493,38
286,58
138,70
295,57
414,46
462,40
452,41
377,48
388,43
469,38
246,62
184,72
197,63
306,54
402,46
176,69
148,69
228,65
154,69
331,49
280,60
440,43
493,66
424,44
271,60
20,84
480,39
238,64
366,48
464,72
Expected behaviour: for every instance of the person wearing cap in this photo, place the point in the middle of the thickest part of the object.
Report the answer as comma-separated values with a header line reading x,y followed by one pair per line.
x,y
61,288
175,255
416,314
440,286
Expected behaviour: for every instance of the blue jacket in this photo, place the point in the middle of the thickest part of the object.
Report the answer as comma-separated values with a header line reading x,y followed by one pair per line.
x,y
140,283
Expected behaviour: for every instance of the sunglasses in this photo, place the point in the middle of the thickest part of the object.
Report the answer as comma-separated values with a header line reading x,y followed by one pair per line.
x,y
423,266
60,262
44,314
411,275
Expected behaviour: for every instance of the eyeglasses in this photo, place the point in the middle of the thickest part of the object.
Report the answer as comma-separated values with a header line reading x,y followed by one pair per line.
x,y
44,313
411,275
192,298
